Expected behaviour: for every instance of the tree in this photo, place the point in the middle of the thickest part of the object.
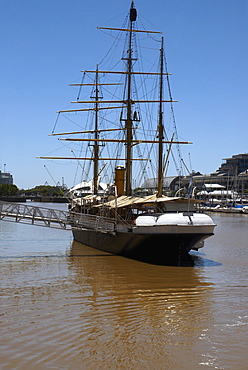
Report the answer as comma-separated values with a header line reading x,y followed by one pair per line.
x,y
8,190
45,191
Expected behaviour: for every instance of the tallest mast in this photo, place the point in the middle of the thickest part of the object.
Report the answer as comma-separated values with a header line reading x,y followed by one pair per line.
x,y
160,124
96,144
129,122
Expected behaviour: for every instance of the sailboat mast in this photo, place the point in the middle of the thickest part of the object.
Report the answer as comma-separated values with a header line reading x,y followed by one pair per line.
x,y
96,144
129,122
160,124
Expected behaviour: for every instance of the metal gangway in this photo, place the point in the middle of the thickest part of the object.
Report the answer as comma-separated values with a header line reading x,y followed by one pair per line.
x,y
54,218
34,215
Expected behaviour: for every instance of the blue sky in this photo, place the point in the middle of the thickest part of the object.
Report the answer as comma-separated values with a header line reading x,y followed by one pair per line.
x,y
46,43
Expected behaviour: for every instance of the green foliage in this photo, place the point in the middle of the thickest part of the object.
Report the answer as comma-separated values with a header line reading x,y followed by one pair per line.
x,y
45,191
8,190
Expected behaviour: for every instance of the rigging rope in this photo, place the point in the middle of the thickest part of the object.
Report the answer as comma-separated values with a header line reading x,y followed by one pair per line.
x,y
173,116
80,88
55,123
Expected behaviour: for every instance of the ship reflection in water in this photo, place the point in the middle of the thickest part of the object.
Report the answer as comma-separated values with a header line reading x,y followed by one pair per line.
x,y
69,306
139,307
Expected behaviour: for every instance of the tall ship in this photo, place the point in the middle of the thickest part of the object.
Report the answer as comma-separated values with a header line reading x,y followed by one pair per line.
x,y
127,132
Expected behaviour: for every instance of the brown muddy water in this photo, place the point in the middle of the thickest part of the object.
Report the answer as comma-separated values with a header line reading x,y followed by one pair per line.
x,y
68,306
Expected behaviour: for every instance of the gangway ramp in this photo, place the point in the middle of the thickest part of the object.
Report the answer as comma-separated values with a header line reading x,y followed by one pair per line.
x,y
34,215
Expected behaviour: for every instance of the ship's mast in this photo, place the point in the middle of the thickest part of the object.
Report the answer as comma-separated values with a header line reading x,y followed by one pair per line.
x,y
96,143
129,142
129,121
160,124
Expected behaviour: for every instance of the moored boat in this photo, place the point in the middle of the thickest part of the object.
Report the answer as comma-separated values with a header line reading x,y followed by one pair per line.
x,y
156,228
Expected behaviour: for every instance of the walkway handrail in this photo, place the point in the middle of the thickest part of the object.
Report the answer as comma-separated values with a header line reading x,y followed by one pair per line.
x,y
55,218
95,222
35,215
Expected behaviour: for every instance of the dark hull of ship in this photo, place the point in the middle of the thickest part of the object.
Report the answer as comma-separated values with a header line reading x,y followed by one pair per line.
x,y
161,249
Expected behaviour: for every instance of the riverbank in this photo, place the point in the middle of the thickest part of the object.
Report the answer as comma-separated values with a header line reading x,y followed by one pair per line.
x,y
23,199
233,210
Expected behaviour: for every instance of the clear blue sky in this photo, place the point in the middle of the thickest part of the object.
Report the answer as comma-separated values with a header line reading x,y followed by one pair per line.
x,y
46,43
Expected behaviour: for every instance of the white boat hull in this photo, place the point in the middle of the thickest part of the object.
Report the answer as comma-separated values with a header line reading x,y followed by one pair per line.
x,y
160,244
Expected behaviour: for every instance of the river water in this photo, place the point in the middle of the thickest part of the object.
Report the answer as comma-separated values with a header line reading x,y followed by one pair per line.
x,y
68,306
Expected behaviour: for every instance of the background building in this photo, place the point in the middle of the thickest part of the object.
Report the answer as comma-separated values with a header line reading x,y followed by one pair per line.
x,y
234,165
6,178
232,175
